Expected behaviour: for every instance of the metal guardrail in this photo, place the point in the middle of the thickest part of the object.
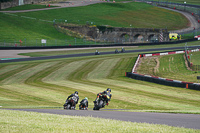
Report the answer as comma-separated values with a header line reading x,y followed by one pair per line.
x,y
190,64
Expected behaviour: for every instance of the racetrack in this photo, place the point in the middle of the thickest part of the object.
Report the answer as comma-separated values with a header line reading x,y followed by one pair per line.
x,y
176,120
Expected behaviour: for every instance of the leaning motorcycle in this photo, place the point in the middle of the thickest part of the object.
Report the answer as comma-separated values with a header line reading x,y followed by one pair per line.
x,y
101,102
83,107
123,50
69,104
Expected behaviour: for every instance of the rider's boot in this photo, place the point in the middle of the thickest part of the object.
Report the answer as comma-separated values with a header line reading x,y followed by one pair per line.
x,y
96,100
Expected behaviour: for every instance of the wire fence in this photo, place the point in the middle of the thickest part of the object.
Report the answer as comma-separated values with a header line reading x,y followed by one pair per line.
x,y
57,42
188,58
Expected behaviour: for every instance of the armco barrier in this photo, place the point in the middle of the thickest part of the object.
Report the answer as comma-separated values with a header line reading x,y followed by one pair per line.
x,y
159,80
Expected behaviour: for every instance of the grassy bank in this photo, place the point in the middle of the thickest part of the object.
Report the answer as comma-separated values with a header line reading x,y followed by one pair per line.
x,y
16,121
194,58
36,25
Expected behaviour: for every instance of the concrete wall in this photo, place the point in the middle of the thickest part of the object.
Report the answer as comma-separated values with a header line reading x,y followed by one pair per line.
x,y
116,34
134,34
5,5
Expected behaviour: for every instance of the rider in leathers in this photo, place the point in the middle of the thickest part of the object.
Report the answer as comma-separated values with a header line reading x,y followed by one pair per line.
x,y
84,102
107,92
75,97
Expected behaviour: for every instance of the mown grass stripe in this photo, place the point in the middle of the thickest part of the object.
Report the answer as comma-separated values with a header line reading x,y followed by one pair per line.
x,y
9,74
8,68
22,75
62,72
22,98
41,79
103,69
53,96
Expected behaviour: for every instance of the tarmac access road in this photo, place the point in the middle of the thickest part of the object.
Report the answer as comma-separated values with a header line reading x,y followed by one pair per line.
x,y
177,120
83,54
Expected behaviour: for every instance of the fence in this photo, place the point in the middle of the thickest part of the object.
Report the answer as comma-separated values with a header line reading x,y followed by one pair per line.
x,y
188,58
57,42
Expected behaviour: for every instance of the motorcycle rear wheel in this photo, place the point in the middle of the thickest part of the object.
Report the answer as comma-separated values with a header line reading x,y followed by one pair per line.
x,y
68,106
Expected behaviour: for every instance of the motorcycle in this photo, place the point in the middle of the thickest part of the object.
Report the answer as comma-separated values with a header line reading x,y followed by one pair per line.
x,y
123,50
116,51
97,53
69,104
101,102
83,107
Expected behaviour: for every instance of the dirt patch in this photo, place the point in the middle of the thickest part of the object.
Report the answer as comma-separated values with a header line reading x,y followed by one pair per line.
x,y
148,65
156,68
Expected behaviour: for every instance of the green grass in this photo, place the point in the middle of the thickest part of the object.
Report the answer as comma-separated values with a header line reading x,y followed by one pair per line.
x,y
32,27
195,58
117,14
31,122
39,84
170,66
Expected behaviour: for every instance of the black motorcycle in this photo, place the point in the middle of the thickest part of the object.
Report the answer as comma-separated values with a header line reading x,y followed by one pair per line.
x,y
69,104
97,53
123,50
83,107
101,102
116,51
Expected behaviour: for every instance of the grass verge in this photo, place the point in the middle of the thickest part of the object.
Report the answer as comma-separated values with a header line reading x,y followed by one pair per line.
x,y
18,121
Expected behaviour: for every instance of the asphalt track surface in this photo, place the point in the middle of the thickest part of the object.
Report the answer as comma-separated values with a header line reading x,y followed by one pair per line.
x,y
92,54
177,120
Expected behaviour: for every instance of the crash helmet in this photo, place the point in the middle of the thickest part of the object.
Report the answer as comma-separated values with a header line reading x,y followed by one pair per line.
x,y
86,98
108,89
76,92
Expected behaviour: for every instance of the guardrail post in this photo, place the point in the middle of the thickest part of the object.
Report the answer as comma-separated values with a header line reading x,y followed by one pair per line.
x,y
198,77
